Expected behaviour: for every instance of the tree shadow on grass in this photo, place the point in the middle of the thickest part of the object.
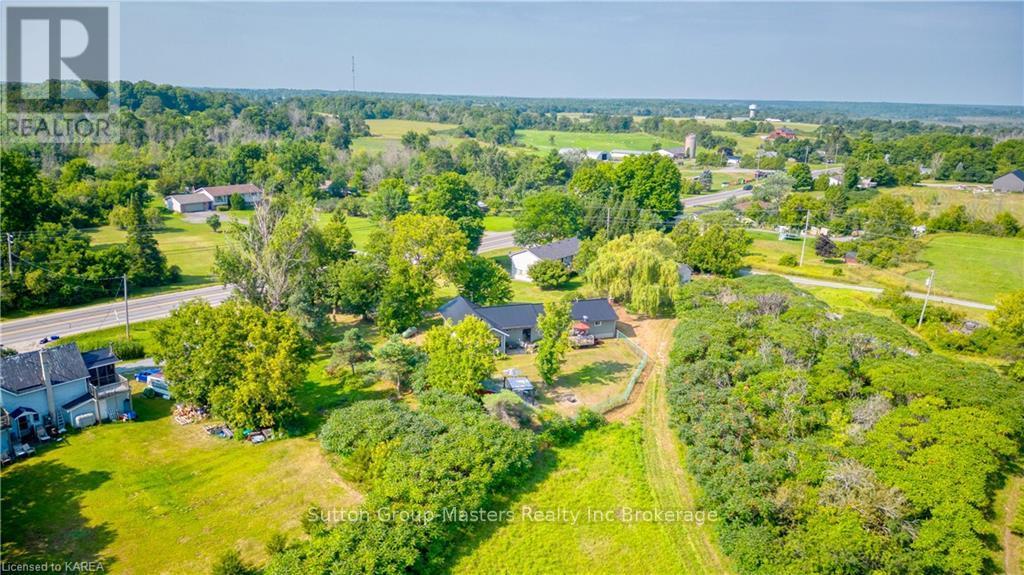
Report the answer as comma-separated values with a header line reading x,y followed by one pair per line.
x,y
599,373
42,515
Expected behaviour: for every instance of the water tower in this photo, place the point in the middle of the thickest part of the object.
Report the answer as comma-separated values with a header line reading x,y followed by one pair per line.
x,y
753,110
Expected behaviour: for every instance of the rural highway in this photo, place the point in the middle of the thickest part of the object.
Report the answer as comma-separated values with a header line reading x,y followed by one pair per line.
x,y
24,334
719,197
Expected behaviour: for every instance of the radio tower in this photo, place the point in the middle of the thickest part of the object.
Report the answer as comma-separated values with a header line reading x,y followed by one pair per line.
x,y
353,73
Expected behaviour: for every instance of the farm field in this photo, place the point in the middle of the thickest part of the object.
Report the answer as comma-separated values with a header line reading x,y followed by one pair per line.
x,y
156,497
387,133
606,141
967,266
603,471
592,375
984,205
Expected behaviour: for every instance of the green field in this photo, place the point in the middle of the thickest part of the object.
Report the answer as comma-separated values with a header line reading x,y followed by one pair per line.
x,y
189,246
967,266
984,205
387,134
499,223
156,497
973,267
606,141
604,472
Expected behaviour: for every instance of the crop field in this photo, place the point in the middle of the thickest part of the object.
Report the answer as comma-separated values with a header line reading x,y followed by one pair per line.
x,y
153,496
607,141
605,473
982,205
385,134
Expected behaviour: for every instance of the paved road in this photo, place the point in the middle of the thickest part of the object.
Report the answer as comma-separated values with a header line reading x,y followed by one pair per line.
x,y
496,241
719,197
916,295
24,334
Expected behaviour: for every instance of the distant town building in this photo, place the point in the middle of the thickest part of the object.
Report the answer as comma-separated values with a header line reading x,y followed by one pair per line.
x,y
1011,182
784,133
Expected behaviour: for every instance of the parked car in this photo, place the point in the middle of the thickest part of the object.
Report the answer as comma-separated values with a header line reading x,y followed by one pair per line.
x,y
748,187
143,376
48,339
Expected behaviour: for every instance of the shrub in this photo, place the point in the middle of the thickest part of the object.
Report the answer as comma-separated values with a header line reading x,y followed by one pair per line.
x,y
278,543
223,208
214,222
125,349
237,202
549,274
230,563
837,271
788,260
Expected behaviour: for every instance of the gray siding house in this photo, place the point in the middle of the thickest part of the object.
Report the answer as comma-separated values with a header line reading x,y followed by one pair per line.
x,y
515,324
1011,182
60,387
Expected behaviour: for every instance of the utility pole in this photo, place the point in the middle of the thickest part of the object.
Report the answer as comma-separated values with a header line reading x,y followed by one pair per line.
x,y
608,221
127,323
927,295
803,244
10,251
353,73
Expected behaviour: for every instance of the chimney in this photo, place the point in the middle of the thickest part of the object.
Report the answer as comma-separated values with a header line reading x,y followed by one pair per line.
x,y
50,403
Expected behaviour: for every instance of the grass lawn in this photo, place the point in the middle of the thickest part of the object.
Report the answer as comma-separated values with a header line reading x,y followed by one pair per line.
x,y
189,246
985,205
524,292
593,374
156,497
499,223
606,141
966,266
603,472
973,267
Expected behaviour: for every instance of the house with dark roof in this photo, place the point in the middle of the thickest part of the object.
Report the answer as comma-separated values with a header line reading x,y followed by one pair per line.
x,y
61,387
1011,182
210,197
515,324
562,250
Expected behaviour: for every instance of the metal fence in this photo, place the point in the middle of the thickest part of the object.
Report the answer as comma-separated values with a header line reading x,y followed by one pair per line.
x,y
622,398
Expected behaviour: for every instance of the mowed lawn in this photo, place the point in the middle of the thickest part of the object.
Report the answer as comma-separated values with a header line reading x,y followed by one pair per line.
x,y
592,375
603,472
387,133
972,266
156,497
967,266
606,141
189,246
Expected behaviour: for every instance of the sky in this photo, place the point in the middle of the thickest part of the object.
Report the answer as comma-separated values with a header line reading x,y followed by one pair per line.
x,y
922,52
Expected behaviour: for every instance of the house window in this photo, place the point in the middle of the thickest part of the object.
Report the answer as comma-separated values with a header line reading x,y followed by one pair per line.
x,y
597,323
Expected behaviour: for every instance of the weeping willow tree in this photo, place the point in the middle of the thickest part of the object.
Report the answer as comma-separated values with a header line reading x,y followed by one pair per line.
x,y
637,270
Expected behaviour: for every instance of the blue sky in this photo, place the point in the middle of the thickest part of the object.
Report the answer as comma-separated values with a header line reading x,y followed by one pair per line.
x,y
929,52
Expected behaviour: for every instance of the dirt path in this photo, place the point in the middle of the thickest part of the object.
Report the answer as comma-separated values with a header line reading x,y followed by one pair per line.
x,y
1011,542
671,486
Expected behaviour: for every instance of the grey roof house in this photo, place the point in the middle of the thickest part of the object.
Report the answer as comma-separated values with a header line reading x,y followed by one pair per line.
x,y
562,250
62,387
515,324
1010,182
